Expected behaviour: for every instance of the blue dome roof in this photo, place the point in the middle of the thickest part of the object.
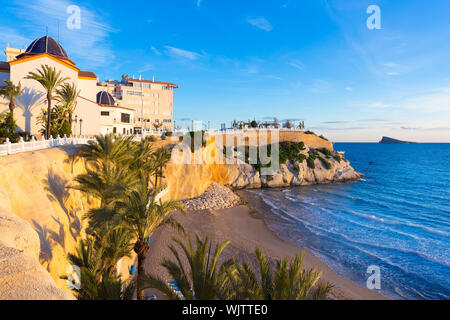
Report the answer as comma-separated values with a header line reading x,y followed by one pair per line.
x,y
105,98
48,45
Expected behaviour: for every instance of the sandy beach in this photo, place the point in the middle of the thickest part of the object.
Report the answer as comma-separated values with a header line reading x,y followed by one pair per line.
x,y
244,227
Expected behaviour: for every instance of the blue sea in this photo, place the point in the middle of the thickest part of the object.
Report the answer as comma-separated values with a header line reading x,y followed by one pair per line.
x,y
396,218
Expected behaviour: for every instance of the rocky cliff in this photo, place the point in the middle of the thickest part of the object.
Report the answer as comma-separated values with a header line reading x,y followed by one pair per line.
x,y
42,217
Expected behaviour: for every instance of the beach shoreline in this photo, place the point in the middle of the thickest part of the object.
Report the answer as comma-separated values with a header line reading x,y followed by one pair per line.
x,y
245,227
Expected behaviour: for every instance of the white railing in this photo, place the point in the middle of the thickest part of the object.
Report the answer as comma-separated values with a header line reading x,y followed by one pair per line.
x,y
238,131
33,144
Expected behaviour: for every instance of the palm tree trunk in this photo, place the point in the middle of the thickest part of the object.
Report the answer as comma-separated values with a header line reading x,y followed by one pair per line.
x,y
141,247
49,116
11,107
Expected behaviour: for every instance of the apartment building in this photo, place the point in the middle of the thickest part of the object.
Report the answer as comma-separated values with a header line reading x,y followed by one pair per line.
x,y
151,100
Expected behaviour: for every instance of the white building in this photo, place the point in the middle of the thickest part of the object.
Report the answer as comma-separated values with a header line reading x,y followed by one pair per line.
x,y
46,51
113,118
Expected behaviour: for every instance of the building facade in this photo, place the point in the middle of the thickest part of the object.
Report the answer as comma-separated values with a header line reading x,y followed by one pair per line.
x,y
114,118
46,51
151,101
128,106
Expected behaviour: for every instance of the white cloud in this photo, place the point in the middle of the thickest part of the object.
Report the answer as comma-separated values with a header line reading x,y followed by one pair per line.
x,y
180,53
296,64
437,100
156,51
88,44
390,65
14,38
381,105
349,89
393,73
146,67
199,2
260,23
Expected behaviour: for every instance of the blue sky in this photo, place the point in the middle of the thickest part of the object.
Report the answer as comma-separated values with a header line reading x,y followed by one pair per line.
x,y
314,60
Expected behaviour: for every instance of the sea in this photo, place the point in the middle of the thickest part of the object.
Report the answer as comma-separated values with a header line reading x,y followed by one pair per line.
x,y
395,221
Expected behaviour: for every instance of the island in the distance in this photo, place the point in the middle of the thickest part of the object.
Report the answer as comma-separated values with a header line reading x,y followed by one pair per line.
x,y
387,140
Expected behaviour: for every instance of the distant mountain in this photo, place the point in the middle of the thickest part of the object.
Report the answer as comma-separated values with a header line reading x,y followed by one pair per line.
x,y
387,140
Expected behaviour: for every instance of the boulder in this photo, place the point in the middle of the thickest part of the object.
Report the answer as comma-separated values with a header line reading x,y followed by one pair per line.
x,y
23,278
19,234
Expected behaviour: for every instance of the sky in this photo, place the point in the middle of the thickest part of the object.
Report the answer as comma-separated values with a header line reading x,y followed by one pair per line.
x,y
314,60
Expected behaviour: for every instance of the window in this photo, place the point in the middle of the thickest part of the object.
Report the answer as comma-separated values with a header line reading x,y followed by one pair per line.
x,y
104,113
125,117
167,120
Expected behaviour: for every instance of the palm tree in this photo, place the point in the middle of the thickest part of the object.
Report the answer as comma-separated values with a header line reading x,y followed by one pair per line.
x,y
107,149
142,215
11,92
115,246
160,158
106,183
205,279
50,79
288,282
96,283
67,96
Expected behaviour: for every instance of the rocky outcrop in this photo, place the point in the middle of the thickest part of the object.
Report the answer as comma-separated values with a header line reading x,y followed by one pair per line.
x,y
21,275
23,278
387,140
294,174
19,234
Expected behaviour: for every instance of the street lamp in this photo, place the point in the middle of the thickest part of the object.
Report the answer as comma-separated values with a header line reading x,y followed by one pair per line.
x,y
81,122
75,126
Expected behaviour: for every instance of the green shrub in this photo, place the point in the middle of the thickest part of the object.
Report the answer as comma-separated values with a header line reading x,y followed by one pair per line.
x,y
325,162
337,158
151,138
326,152
322,137
309,132
310,162
169,133
8,127
290,151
